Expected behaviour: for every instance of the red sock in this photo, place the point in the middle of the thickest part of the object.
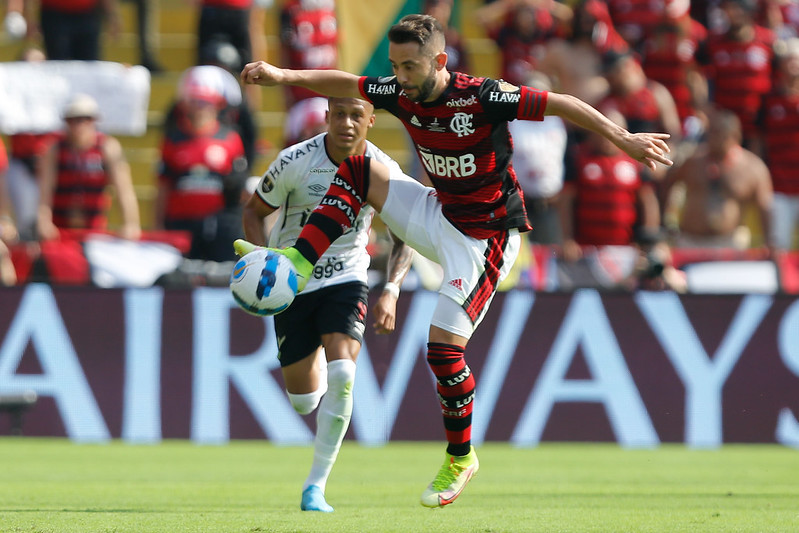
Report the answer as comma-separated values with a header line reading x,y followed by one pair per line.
x,y
337,211
455,393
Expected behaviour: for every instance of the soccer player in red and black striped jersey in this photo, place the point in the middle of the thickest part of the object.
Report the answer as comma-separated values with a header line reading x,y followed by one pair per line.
x,y
469,222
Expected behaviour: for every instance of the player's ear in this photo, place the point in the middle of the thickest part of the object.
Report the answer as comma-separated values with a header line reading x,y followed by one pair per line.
x,y
371,121
441,60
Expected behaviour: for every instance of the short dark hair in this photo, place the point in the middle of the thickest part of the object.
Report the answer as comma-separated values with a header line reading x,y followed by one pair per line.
x,y
419,29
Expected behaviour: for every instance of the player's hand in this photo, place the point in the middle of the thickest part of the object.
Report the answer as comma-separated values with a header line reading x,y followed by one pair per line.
x,y
261,73
648,148
385,313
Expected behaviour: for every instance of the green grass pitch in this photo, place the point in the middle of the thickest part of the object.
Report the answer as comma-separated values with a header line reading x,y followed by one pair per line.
x,y
53,485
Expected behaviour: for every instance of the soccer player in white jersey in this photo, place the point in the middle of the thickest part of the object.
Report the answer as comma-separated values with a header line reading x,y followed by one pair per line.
x,y
330,312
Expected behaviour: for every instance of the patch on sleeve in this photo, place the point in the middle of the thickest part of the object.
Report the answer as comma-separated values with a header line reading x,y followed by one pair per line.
x,y
504,86
267,184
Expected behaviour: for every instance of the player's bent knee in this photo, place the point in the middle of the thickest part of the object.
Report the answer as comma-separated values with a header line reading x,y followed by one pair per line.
x,y
340,376
305,403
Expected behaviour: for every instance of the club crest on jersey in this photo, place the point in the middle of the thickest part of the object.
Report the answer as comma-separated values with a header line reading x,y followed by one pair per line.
x,y
461,124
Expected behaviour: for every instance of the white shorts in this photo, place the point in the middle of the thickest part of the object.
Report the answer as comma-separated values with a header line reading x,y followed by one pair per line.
x,y
473,268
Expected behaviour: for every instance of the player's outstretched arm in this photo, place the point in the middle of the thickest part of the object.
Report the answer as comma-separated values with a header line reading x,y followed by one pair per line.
x,y
648,148
327,82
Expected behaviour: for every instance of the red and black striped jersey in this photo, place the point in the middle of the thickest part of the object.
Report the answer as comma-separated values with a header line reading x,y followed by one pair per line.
x,y
669,57
80,199
195,168
463,141
606,198
781,127
741,73
640,109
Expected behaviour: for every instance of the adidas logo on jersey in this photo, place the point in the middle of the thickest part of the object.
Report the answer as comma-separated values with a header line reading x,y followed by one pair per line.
x,y
415,122
457,283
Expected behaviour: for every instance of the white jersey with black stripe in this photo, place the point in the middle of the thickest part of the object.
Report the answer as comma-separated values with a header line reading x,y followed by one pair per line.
x,y
296,182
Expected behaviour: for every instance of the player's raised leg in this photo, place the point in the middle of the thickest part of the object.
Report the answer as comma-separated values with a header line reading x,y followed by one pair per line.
x,y
336,213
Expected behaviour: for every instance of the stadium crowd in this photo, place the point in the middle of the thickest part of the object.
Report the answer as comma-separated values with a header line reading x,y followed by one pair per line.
x,y
720,76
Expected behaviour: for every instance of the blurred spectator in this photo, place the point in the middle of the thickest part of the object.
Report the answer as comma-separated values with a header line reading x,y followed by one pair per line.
x,y
8,275
258,42
721,179
636,19
574,64
539,149
606,201
71,28
646,105
521,29
309,40
15,23
202,172
229,21
148,33
739,65
235,112
457,56
784,19
780,126
8,230
26,149
307,119
669,57
75,173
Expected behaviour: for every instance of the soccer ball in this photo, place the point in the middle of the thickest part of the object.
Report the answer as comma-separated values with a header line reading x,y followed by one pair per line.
x,y
263,282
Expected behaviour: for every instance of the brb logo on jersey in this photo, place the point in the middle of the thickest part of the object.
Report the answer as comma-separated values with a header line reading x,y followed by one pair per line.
x,y
448,166
461,124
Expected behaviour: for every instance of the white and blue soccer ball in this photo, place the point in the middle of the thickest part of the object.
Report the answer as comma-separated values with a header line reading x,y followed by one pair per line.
x,y
263,282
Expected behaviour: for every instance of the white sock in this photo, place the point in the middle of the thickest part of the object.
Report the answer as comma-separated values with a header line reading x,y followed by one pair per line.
x,y
332,420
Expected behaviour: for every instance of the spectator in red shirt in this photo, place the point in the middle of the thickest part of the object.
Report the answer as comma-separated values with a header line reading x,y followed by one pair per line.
x,y
75,173
669,57
521,30
780,127
739,65
203,169
600,203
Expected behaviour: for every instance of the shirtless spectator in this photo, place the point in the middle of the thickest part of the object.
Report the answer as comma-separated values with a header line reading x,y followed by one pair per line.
x,y
721,179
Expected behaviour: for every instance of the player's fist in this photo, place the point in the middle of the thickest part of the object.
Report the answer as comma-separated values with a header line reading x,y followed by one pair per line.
x,y
260,73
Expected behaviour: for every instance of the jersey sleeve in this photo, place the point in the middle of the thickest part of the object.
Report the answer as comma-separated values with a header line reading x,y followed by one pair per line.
x,y
382,92
505,101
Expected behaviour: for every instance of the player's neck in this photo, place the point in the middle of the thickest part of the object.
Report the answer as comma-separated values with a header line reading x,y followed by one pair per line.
x,y
442,82
338,155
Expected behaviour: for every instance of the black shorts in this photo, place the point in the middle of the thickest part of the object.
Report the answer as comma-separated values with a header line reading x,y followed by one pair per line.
x,y
335,309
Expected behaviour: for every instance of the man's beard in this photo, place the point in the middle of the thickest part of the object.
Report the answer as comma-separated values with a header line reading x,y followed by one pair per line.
x,y
426,88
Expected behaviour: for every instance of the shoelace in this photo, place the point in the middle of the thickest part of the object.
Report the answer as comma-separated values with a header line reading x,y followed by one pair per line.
x,y
447,475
